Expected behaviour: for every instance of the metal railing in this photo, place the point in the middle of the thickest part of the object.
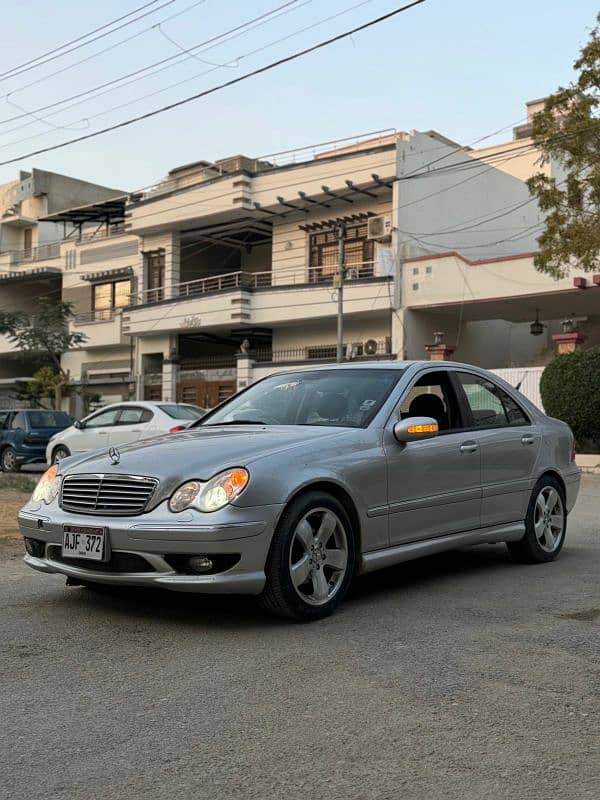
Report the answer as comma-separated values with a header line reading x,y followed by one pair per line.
x,y
253,280
97,315
100,233
207,362
42,252
353,351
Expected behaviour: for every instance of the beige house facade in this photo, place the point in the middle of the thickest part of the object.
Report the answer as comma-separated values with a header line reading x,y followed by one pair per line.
x,y
226,271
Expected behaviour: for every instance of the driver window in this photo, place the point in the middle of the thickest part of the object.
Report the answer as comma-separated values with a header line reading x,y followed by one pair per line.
x,y
103,419
433,396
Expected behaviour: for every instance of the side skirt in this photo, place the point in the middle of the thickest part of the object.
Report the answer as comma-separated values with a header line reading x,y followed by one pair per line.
x,y
405,552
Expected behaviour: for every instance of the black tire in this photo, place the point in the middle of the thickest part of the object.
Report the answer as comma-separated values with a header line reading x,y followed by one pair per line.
x,y
8,460
61,451
530,549
280,596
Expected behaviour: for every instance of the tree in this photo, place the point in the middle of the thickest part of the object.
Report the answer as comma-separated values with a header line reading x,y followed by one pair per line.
x,y
40,388
45,331
568,131
570,389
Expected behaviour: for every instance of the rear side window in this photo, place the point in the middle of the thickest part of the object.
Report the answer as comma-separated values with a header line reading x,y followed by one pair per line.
x,y
491,406
49,419
3,418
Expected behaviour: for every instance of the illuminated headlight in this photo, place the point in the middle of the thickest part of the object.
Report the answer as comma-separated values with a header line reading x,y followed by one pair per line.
x,y
48,487
212,495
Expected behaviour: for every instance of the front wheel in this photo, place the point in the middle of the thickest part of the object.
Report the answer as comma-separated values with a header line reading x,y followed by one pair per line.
x,y
9,461
312,559
59,453
545,524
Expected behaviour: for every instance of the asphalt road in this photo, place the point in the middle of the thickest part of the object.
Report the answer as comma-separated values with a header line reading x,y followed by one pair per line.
x,y
460,676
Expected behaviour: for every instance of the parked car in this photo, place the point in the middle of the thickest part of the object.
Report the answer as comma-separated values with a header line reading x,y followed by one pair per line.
x,y
302,480
121,423
24,434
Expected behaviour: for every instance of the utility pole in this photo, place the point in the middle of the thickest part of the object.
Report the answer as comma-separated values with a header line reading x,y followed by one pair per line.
x,y
339,284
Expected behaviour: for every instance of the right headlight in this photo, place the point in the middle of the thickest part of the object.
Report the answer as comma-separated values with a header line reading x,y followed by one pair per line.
x,y
216,493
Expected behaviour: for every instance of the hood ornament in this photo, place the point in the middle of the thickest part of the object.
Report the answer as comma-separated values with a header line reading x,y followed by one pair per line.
x,y
114,455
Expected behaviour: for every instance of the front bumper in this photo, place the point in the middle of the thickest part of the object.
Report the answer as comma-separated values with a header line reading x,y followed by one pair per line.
x,y
153,537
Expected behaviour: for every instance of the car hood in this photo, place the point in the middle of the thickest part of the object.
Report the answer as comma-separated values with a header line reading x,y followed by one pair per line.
x,y
200,452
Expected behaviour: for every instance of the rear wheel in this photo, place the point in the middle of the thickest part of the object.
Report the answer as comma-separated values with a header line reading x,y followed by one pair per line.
x,y
59,453
545,524
312,559
8,460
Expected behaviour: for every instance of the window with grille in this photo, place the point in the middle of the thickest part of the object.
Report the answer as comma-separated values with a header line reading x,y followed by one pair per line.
x,y
108,296
359,254
154,262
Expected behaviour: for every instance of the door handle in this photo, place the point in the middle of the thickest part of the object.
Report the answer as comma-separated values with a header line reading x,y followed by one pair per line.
x,y
469,447
102,433
527,439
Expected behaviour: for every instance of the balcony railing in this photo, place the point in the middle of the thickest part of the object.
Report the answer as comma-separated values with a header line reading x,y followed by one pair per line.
x,y
97,315
353,351
254,280
102,233
42,252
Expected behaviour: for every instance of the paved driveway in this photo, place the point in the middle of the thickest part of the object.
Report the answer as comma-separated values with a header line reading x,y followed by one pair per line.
x,y
461,676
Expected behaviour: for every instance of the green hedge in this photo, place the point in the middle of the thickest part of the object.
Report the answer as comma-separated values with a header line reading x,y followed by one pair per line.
x,y
570,389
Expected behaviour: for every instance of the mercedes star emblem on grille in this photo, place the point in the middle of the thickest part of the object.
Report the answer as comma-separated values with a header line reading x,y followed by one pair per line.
x,y
114,455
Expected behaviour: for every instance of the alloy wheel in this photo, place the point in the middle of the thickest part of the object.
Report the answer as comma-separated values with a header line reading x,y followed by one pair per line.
x,y
549,519
9,460
318,556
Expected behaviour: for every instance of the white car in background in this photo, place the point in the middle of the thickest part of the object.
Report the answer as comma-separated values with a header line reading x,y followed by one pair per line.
x,y
121,423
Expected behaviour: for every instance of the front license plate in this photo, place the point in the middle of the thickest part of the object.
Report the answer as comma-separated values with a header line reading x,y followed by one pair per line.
x,y
84,542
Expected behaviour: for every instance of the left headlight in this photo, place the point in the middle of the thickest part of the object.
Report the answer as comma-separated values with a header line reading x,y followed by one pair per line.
x,y
48,486
212,495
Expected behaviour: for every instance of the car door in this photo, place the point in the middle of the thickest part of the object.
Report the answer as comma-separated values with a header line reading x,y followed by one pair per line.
x,y
510,444
95,431
434,485
133,422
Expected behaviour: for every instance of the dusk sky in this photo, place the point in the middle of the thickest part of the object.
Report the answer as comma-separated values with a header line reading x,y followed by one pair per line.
x,y
463,68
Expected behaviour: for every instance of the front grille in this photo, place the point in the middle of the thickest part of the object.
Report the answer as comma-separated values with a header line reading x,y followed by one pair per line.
x,y
115,495
118,562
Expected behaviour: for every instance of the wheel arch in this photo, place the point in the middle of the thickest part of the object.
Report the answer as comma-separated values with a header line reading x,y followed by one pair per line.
x,y
557,476
341,494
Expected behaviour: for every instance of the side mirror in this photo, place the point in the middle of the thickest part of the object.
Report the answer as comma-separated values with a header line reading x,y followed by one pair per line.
x,y
79,425
414,429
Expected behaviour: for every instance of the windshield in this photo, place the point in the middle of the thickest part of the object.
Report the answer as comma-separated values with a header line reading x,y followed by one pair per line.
x,y
179,411
341,397
49,419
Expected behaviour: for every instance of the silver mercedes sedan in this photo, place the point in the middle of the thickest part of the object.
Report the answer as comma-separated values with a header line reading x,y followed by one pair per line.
x,y
306,478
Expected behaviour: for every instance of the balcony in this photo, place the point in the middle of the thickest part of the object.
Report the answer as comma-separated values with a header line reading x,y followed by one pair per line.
x,y
102,327
265,297
43,252
371,350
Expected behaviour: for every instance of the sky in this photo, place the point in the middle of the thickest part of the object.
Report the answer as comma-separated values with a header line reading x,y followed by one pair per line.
x,y
463,68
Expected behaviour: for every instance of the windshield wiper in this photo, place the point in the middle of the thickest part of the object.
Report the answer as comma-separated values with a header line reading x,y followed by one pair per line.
x,y
234,422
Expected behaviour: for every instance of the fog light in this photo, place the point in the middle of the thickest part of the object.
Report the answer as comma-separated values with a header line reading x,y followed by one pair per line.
x,y
34,547
200,564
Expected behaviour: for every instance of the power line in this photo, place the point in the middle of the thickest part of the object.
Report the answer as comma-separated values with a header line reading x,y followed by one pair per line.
x,y
224,85
77,39
176,57
40,63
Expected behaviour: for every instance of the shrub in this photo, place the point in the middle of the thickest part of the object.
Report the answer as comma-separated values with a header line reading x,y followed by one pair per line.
x,y
570,389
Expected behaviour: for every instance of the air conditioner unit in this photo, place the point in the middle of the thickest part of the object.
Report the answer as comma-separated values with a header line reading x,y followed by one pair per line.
x,y
380,227
370,347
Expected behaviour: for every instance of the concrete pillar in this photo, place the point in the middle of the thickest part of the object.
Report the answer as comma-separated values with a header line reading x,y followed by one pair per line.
x,y
245,366
170,373
568,342
438,351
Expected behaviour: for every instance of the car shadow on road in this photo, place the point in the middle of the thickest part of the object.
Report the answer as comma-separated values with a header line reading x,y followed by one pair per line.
x,y
239,612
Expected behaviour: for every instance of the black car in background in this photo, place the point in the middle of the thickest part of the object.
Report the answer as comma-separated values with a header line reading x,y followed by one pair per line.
x,y
24,434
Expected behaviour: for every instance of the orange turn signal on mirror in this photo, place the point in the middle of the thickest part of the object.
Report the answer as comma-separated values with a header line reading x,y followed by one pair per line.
x,y
423,429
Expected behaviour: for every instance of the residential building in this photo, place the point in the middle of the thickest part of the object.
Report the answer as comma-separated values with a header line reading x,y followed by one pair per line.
x,y
226,271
